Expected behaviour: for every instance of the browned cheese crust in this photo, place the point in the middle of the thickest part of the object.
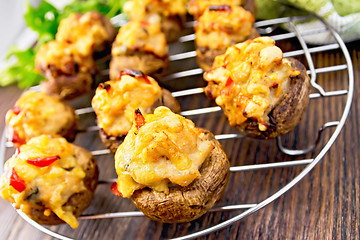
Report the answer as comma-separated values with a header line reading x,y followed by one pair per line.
x,y
148,63
172,14
288,112
73,28
184,204
80,200
205,57
112,142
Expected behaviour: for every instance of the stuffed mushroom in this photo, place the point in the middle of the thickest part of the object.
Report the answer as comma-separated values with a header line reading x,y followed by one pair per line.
x,y
171,12
262,94
68,62
140,45
171,170
68,73
50,180
36,113
115,101
219,27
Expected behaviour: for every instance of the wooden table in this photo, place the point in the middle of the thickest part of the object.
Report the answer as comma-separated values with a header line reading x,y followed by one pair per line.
x,y
324,205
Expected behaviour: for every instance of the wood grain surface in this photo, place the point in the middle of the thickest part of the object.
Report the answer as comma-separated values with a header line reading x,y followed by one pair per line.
x,y
324,205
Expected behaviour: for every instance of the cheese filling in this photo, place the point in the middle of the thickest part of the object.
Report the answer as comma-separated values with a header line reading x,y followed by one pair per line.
x,y
58,58
223,25
50,186
141,36
249,80
37,113
167,149
115,102
87,32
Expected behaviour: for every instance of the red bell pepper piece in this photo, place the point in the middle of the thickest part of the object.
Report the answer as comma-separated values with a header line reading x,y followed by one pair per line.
x,y
114,189
139,119
145,23
16,140
229,85
147,80
16,182
16,110
43,161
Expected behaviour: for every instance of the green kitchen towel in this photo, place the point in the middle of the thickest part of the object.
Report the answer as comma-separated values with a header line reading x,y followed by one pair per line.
x,y
342,15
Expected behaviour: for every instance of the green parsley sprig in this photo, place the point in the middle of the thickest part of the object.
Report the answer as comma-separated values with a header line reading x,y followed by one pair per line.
x,y
45,20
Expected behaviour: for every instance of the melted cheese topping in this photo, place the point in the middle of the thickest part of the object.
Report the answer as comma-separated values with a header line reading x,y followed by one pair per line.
x,y
38,113
88,32
217,29
137,9
168,148
57,58
249,80
141,36
52,185
115,104
197,7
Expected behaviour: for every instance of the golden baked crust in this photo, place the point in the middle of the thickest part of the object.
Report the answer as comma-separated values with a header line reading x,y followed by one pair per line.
x,y
140,45
115,102
205,56
50,180
219,27
172,14
141,36
167,100
89,32
288,112
68,62
251,81
36,113
80,201
160,148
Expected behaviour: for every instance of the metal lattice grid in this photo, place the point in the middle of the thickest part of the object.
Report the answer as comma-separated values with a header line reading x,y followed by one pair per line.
x,y
248,208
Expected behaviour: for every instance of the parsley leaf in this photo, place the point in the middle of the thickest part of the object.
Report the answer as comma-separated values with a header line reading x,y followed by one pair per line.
x,y
45,20
22,70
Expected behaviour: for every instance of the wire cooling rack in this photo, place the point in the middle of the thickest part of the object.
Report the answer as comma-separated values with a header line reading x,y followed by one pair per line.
x,y
305,51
